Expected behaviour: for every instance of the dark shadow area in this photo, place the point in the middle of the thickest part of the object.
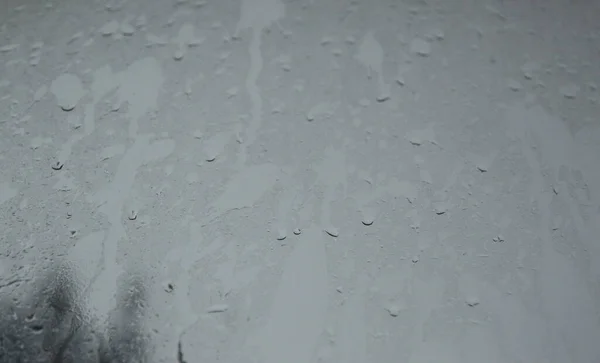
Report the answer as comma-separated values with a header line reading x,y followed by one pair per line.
x,y
52,324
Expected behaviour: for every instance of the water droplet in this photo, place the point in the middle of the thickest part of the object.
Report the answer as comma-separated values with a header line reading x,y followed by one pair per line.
x,y
34,60
198,134
188,88
37,45
368,217
195,42
297,231
326,41
383,97
281,235
528,69
37,328
514,85
67,107
116,106
178,55
569,91
440,208
109,28
219,308
420,47
472,301
232,92
36,142
57,165
332,231
141,21
127,29
132,215
393,310
169,287
8,48
438,34
192,178
114,6
415,140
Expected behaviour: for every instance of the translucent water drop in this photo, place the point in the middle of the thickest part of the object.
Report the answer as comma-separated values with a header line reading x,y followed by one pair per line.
x,y
281,235
472,301
420,47
132,215
178,55
332,231
57,165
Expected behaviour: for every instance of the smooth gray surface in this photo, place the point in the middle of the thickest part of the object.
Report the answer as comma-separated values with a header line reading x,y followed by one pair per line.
x,y
313,181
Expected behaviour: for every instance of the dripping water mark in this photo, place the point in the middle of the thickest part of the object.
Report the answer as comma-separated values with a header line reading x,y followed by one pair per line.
x,y
180,353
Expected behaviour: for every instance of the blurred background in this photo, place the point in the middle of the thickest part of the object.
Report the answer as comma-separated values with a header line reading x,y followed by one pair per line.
x,y
311,181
